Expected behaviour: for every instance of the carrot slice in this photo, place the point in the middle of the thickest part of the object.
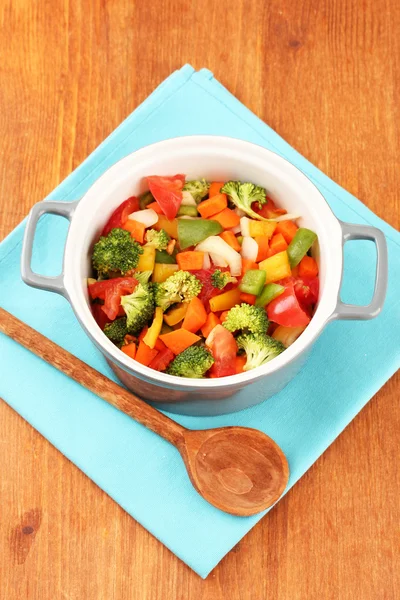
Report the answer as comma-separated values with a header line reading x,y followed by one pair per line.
x,y
224,314
248,265
277,244
156,207
196,315
230,238
287,229
179,340
129,349
212,321
190,260
240,361
215,188
263,247
136,229
227,218
213,205
308,267
144,354
249,298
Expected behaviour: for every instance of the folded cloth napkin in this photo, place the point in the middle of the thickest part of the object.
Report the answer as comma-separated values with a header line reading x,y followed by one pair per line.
x,y
142,472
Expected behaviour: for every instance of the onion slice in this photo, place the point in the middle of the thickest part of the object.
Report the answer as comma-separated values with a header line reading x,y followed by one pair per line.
x,y
147,216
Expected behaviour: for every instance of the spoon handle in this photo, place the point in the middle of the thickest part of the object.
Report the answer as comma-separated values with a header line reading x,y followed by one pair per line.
x,y
90,378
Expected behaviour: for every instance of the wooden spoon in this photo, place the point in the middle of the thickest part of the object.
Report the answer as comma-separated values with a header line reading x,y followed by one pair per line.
x,y
237,469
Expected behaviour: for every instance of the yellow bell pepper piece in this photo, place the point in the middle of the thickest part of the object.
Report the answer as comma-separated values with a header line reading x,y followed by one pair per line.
x,y
277,267
262,228
162,272
154,330
225,301
171,227
176,315
147,259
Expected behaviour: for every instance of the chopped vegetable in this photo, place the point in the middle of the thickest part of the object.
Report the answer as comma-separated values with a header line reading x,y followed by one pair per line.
x,y
248,298
163,257
269,210
198,188
154,331
225,301
158,239
139,307
120,215
247,318
179,340
215,188
162,271
188,199
244,194
269,293
222,254
156,207
249,249
176,314
287,229
220,279
300,245
286,310
195,317
168,192
190,260
169,225
253,281
230,238
308,267
116,331
227,218
240,362
277,267
188,211
163,359
259,348
193,362
223,348
148,217
277,244
143,276
136,230
144,354
287,335
248,265
147,259
266,228
182,286
211,322
263,247
144,200
129,349
191,233
212,206
116,252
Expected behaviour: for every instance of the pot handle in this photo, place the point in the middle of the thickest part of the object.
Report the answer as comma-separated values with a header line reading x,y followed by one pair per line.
x,y
43,282
352,311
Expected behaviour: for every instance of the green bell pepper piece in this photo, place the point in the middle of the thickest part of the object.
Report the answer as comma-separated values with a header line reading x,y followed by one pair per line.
x,y
192,232
190,211
145,199
300,245
164,258
269,293
253,281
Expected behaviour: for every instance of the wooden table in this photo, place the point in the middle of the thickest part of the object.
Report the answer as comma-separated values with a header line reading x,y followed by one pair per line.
x,y
325,75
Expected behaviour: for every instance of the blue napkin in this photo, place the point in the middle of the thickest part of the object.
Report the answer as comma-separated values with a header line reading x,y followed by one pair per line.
x,y
144,474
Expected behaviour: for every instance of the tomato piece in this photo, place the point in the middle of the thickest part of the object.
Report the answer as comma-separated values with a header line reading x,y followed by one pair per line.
x,y
100,316
111,291
168,193
120,214
162,360
208,291
306,290
285,309
224,349
269,210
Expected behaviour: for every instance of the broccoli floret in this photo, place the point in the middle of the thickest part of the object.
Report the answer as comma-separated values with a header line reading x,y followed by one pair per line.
x,y
116,331
192,362
259,348
143,276
117,252
158,239
220,279
244,194
182,286
247,317
139,307
198,188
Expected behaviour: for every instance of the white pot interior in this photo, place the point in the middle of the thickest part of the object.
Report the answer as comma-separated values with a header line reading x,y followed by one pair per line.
x,y
218,159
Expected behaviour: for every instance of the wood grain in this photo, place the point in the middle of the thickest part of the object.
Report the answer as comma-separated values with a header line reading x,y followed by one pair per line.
x,y
325,74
